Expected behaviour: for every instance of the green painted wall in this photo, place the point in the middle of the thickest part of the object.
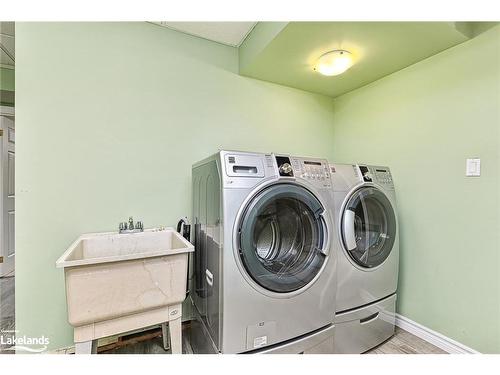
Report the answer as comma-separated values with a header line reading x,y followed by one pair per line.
x,y
423,122
109,119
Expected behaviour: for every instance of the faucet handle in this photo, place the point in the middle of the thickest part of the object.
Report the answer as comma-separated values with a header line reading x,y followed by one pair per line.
x,y
123,226
139,225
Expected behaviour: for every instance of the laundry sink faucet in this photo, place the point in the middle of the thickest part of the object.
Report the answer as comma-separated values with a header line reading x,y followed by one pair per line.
x,y
130,227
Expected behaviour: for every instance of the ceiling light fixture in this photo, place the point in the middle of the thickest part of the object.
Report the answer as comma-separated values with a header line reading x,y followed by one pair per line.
x,y
334,62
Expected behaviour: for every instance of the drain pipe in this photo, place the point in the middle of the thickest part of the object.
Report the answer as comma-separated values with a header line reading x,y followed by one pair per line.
x,y
184,228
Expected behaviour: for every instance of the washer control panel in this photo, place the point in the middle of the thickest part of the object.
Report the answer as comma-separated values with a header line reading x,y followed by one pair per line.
x,y
315,171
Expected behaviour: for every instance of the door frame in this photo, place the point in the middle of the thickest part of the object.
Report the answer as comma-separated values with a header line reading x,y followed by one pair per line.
x,y
5,111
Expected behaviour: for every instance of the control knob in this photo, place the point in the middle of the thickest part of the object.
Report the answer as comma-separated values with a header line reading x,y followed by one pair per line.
x,y
285,169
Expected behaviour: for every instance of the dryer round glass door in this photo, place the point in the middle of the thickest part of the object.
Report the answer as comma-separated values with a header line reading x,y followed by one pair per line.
x,y
368,227
281,238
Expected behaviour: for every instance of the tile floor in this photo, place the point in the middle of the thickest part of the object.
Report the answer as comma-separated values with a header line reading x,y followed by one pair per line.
x,y
404,342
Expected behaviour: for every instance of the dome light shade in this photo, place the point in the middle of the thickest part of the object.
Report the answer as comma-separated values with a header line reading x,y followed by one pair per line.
x,y
334,62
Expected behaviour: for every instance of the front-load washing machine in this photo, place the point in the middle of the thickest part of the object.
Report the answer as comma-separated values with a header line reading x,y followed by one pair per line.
x,y
368,256
263,267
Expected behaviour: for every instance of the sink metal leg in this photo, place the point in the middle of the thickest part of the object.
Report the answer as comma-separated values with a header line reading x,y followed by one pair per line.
x,y
175,329
86,347
166,336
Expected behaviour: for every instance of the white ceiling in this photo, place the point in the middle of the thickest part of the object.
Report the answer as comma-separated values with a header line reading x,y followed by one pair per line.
x,y
229,33
7,45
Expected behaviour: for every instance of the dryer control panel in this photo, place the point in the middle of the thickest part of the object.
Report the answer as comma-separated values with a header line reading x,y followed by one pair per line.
x,y
379,175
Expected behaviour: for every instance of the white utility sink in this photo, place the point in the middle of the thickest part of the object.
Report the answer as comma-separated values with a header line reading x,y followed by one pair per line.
x,y
122,282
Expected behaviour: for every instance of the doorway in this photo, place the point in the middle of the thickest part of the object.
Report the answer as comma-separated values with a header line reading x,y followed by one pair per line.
x,y
7,196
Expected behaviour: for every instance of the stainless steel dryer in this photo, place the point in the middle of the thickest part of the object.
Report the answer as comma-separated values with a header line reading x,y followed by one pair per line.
x,y
368,256
264,271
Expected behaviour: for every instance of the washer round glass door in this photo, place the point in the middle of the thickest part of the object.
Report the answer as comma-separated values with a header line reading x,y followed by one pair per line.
x,y
281,238
368,227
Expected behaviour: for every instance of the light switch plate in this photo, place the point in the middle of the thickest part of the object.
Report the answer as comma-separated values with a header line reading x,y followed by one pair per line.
x,y
473,167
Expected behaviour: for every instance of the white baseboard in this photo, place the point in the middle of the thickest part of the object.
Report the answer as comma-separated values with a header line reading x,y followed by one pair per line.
x,y
433,337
